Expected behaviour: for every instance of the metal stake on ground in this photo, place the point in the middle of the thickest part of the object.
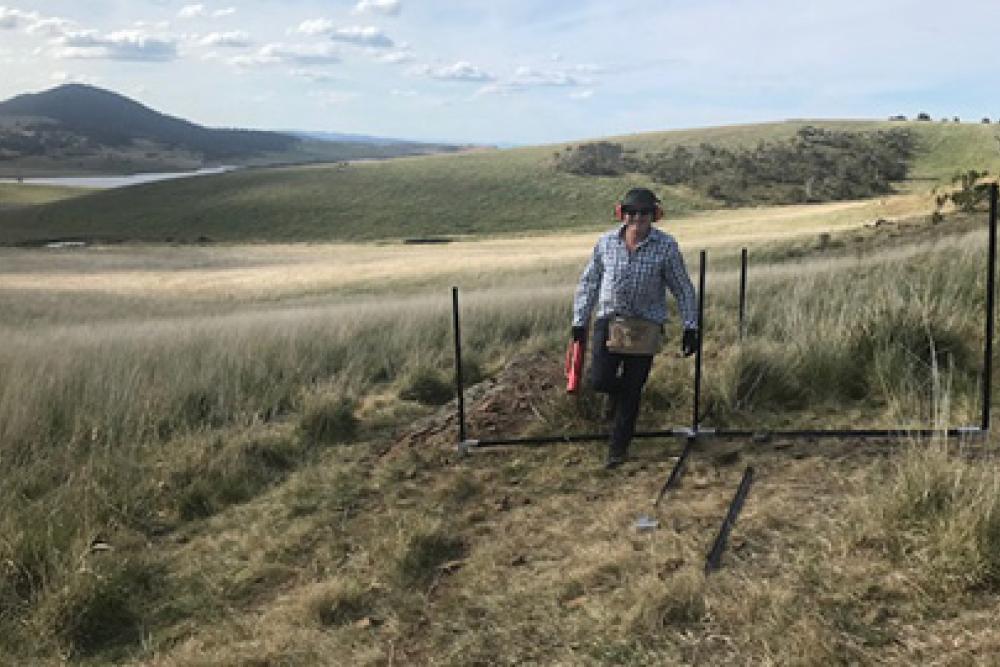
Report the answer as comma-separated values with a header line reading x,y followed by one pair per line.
x,y
714,559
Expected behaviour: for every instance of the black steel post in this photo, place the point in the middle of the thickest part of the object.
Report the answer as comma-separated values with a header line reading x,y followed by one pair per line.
x,y
459,390
990,289
743,292
701,338
714,559
675,475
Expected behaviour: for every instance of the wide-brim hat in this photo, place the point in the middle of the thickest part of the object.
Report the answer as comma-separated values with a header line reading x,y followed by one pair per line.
x,y
640,198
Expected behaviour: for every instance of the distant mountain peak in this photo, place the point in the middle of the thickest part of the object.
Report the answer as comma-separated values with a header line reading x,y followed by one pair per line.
x,y
108,118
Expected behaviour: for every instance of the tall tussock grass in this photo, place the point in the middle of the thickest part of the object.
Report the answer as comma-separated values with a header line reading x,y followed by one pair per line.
x,y
938,514
109,428
871,334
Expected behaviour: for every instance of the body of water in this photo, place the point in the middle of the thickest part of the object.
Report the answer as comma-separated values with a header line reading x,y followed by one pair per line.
x,y
102,182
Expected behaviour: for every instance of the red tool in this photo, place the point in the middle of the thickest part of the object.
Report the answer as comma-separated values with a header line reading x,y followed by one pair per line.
x,y
574,365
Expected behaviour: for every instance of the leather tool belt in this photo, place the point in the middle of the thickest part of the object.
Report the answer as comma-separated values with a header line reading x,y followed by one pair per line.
x,y
634,335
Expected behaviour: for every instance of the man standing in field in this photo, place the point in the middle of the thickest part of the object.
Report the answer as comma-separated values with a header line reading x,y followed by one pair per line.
x,y
627,278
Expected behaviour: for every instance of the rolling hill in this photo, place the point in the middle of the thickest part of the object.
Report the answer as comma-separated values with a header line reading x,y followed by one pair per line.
x,y
77,128
480,192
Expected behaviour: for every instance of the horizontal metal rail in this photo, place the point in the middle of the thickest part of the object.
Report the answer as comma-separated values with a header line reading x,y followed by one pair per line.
x,y
729,434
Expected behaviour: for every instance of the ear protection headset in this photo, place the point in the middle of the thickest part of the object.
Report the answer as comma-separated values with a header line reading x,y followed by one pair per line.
x,y
620,214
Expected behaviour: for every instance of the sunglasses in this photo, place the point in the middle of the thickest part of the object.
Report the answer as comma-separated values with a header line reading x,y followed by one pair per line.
x,y
637,211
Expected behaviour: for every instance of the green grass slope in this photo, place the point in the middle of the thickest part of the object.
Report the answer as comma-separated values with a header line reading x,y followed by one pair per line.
x,y
18,195
488,192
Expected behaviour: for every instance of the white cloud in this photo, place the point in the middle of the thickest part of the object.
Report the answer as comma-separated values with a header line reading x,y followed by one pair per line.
x,y
496,89
387,7
582,94
158,25
397,92
394,57
199,11
51,26
460,71
527,76
11,18
315,27
192,11
132,45
296,54
234,38
313,75
362,36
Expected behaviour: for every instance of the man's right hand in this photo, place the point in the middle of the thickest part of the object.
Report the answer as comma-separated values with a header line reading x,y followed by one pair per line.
x,y
579,334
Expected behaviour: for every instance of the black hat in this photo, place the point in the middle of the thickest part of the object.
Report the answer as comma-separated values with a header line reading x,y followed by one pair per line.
x,y
640,198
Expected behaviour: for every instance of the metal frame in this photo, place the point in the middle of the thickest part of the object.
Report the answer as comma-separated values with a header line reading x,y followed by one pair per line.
x,y
695,431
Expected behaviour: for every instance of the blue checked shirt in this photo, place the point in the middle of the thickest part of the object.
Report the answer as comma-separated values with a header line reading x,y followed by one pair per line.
x,y
635,284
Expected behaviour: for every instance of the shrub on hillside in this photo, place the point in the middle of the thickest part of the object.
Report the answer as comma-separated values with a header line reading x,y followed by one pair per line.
x,y
814,166
972,194
600,158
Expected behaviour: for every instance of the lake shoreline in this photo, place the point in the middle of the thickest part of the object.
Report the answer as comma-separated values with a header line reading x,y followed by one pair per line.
x,y
104,182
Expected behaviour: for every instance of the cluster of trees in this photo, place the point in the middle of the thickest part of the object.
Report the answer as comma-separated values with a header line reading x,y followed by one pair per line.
x,y
41,140
972,192
813,166
599,158
926,117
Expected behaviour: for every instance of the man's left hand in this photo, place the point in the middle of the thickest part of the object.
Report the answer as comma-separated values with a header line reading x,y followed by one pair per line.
x,y
689,345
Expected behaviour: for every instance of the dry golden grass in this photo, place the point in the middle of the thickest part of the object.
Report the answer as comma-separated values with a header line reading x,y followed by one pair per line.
x,y
271,271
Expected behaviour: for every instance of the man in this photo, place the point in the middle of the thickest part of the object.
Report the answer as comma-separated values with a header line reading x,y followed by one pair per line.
x,y
627,278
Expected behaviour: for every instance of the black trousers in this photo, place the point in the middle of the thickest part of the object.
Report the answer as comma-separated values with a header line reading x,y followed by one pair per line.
x,y
621,377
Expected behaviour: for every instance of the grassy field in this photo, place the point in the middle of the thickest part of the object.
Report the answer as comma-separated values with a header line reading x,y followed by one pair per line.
x,y
236,455
477,193
13,195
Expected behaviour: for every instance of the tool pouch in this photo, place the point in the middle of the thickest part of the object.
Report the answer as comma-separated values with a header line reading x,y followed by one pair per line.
x,y
633,335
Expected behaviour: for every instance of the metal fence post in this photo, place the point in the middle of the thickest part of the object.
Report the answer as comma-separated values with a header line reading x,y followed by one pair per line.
x,y
990,290
743,291
701,338
459,392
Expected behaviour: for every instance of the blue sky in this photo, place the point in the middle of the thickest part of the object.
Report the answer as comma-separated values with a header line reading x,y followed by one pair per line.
x,y
512,71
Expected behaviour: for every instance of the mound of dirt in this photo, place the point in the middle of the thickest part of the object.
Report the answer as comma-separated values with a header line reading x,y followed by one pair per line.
x,y
501,406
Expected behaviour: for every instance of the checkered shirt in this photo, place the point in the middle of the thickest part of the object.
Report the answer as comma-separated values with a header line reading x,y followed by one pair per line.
x,y
634,285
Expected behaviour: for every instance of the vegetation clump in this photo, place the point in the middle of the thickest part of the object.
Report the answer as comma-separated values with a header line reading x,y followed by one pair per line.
x,y
428,386
329,420
599,158
424,554
816,165
103,611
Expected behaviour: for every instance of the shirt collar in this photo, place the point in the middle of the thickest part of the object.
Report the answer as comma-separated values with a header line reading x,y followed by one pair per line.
x,y
654,235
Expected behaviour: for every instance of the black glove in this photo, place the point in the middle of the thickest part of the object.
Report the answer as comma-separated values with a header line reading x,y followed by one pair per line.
x,y
579,334
689,345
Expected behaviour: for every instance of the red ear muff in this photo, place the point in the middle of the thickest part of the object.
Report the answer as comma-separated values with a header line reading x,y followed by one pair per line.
x,y
618,211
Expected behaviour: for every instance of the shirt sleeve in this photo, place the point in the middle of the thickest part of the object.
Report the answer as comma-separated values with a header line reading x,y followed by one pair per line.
x,y
587,289
679,283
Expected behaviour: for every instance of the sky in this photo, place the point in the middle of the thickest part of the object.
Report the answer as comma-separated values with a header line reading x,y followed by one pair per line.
x,y
511,71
